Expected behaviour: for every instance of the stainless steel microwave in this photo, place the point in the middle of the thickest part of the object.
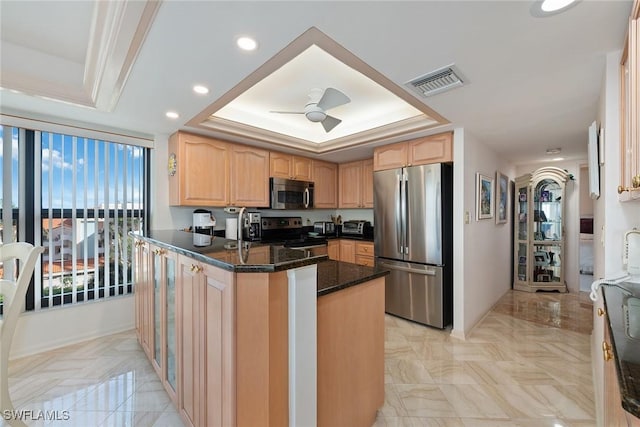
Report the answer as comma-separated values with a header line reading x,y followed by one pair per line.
x,y
290,194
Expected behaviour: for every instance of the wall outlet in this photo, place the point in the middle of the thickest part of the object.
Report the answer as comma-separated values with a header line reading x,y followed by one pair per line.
x,y
467,217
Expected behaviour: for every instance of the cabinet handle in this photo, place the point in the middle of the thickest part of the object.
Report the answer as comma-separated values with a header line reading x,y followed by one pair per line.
x,y
195,268
159,251
600,312
606,351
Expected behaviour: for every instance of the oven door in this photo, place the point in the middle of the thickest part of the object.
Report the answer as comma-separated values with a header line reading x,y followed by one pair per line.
x,y
290,194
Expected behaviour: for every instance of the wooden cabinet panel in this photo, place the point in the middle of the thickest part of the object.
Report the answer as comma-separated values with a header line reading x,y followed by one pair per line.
x,y
390,156
325,178
144,297
431,149
201,175
333,250
364,248
356,184
422,151
347,250
367,183
350,184
289,167
249,176
301,168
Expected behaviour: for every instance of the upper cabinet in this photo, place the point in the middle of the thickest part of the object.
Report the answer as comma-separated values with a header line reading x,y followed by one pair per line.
x,y
429,149
629,187
325,178
249,176
208,172
198,170
356,184
289,167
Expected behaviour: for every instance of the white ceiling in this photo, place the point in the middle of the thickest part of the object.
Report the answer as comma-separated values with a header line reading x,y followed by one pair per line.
x,y
532,83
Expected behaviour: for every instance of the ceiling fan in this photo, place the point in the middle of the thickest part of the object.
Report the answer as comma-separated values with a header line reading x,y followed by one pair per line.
x,y
319,103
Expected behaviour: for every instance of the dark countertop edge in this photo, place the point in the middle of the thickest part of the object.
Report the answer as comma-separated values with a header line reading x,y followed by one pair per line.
x,y
262,268
348,284
630,401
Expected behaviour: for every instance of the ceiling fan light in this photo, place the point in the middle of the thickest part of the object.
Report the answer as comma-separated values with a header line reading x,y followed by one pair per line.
x,y
316,116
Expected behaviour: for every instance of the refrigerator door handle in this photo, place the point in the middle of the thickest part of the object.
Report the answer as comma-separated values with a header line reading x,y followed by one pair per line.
x,y
406,215
408,269
399,204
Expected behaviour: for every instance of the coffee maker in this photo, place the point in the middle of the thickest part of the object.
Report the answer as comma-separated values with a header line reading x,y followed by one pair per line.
x,y
251,227
203,222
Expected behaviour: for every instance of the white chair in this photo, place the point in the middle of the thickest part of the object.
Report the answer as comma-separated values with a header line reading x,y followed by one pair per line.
x,y
14,292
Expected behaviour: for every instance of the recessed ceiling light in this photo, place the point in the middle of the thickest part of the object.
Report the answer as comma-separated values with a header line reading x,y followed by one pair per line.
x,y
202,90
553,150
557,159
172,114
542,8
246,43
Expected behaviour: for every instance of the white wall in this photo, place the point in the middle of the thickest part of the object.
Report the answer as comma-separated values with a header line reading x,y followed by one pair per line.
x,y
572,215
482,270
56,327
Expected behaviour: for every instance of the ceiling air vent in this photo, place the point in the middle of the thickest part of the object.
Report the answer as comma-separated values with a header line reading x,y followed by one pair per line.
x,y
437,81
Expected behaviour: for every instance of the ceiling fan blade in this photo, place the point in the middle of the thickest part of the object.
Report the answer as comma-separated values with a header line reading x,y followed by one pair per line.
x,y
329,123
332,98
287,112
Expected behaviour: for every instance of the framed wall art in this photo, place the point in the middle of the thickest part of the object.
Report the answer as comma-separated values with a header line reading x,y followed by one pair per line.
x,y
502,198
484,197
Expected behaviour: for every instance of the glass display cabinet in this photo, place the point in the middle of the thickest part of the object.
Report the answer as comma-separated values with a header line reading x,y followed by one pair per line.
x,y
539,231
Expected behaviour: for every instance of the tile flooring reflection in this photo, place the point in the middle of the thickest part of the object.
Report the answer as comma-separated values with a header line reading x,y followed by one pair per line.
x,y
526,364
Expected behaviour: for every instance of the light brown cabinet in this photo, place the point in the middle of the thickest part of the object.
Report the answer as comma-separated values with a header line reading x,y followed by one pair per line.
x,y
205,334
325,178
249,176
198,170
333,250
289,166
143,297
208,172
356,184
352,251
422,151
629,187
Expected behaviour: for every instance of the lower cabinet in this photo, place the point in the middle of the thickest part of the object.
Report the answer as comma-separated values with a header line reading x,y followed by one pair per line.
x,y
333,249
206,394
353,251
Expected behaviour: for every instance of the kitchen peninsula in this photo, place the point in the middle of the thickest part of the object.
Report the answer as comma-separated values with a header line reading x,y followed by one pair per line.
x,y
252,334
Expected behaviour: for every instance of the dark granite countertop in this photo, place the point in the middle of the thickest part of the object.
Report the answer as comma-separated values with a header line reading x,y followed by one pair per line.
x,y
626,349
230,255
336,275
351,237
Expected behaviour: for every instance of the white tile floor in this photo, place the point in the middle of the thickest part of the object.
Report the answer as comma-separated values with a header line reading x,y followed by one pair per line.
x,y
510,372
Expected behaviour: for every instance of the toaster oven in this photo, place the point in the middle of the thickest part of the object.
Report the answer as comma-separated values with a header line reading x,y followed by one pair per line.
x,y
324,228
356,228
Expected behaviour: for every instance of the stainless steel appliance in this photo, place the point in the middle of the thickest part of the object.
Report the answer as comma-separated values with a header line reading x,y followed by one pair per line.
x,y
290,194
288,232
356,228
413,238
324,228
252,226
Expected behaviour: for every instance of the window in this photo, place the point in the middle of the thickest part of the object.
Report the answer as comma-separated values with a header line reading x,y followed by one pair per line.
x,y
80,199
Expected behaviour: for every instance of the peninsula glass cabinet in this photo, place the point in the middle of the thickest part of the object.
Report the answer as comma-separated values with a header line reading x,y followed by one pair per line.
x,y
539,231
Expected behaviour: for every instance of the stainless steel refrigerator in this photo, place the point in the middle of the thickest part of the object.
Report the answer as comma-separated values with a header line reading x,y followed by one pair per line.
x,y
413,238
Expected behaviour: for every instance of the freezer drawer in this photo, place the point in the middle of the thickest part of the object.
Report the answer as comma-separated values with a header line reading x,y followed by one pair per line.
x,y
414,292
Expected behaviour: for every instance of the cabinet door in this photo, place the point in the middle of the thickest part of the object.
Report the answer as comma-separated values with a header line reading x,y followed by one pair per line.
x,y
280,165
325,178
144,315
350,185
170,338
202,171
347,250
249,176
157,303
333,250
219,363
614,414
431,149
190,303
367,183
390,156
301,168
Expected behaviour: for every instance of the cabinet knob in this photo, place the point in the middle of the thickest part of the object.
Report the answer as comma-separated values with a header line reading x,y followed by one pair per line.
x,y
195,268
600,312
159,251
606,351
